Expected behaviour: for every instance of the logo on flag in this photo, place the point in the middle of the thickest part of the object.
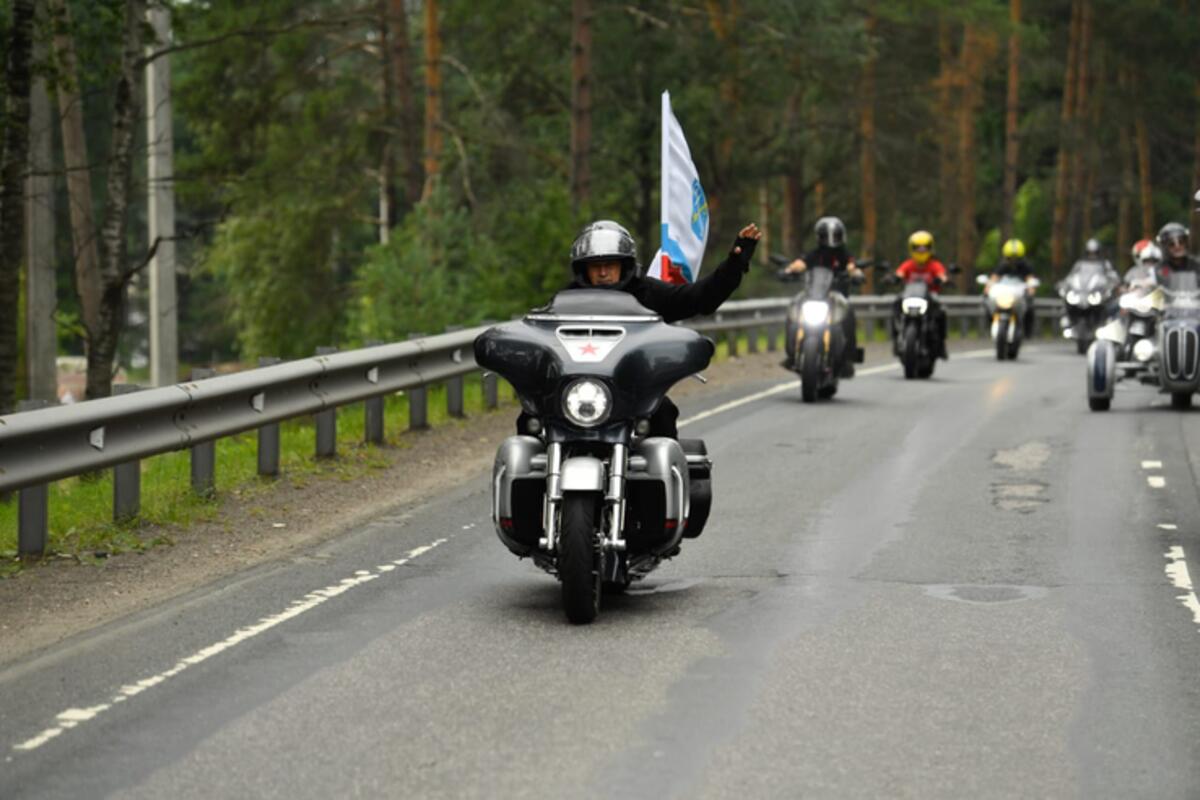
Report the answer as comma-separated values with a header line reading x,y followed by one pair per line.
x,y
684,214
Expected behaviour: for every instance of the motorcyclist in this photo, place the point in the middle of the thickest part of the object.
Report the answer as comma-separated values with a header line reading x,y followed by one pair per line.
x,y
921,265
604,256
1174,239
831,252
1145,268
1014,263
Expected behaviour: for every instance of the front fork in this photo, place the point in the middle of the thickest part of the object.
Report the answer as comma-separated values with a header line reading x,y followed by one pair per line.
x,y
614,498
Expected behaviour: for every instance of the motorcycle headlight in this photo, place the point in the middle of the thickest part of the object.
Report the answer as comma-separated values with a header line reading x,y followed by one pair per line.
x,y
1094,298
815,312
1128,302
1144,350
587,402
914,305
1005,301
1073,297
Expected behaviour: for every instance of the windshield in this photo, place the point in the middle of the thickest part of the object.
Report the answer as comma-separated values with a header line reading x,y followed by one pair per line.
x,y
1088,276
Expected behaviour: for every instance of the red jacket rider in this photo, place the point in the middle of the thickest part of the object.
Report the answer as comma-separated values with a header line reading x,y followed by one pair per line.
x,y
933,272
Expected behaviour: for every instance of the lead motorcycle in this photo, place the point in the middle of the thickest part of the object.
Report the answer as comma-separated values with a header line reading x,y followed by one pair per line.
x,y
816,344
591,498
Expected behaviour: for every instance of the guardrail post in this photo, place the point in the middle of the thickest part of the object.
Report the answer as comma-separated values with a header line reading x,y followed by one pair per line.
x,y
326,421
752,342
491,384
964,326
204,455
127,477
732,339
418,402
454,388
33,507
772,338
373,411
268,436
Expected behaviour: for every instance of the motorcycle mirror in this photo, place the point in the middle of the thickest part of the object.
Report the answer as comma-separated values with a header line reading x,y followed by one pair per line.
x,y
954,269
982,280
782,261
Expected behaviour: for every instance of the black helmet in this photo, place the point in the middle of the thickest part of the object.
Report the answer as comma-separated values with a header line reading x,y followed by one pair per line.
x,y
1093,248
830,232
604,240
1172,233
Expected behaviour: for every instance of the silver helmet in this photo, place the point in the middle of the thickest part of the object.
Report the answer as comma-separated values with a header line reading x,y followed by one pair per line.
x,y
604,240
831,232
1093,248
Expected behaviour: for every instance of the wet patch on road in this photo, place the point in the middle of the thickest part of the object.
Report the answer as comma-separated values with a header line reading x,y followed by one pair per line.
x,y
1028,495
985,594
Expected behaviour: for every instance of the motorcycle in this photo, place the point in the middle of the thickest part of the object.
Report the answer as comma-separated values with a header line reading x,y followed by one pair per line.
x,y
590,496
1006,302
916,336
1087,292
816,343
1166,351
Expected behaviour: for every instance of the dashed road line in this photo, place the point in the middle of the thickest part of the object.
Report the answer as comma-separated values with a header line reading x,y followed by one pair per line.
x,y
1151,465
1168,526
73,717
1156,481
1177,571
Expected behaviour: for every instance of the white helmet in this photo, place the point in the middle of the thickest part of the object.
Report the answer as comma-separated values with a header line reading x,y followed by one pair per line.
x,y
1149,256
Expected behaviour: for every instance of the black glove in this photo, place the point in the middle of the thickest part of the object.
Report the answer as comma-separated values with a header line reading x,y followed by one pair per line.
x,y
743,258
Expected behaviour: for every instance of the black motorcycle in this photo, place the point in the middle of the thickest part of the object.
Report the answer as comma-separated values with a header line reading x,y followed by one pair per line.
x,y
1088,293
916,333
815,340
590,496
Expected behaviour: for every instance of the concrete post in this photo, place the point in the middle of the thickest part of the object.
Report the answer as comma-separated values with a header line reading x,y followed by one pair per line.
x,y
160,137
127,477
268,436
326,422
33,507
418,402
204,455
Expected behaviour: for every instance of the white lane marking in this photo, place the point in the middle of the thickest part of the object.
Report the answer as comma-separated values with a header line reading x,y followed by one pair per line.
x,y
1151,465
1177,571
1156,481
73,717
1168,526
784,387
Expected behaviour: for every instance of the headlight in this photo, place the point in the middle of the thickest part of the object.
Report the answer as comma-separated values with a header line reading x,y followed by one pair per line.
x,y
815,312
1005,301
1128,301
587,402
1094,298
1073,297
914,305
1144,350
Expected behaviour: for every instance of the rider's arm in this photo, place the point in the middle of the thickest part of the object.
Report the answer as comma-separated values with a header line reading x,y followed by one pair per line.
x,y
680,301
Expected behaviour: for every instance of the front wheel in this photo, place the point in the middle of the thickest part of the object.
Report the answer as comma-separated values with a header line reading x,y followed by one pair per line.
x,y
579,557
1081,346
911,351
1099,403
1002,339
1181,400
810,368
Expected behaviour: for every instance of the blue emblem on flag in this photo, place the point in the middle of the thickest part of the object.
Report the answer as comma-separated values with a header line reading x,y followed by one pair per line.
x,y
699,211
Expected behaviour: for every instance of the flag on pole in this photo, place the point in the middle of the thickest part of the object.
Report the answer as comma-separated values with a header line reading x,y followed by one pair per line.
x,y
684,207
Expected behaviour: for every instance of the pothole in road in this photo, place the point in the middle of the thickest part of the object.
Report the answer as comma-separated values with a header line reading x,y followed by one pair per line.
x,y
985,594
1026,458
1023,498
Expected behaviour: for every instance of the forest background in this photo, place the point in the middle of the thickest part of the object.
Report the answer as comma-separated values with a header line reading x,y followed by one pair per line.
x,y
367,169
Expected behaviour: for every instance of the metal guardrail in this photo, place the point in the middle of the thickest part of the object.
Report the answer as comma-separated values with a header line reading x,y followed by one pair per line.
x,y
47,444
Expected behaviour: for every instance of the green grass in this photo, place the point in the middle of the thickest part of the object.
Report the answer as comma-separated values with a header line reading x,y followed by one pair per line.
x,y
81,525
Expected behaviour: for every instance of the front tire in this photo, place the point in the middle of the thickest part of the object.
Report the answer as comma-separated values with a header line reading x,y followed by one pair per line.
x,y
579,557
912,352
810,368
1081,346
1099,403
1002,339
1181,401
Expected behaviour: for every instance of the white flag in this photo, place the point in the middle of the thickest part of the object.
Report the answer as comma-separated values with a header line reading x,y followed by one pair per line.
x,y
684,207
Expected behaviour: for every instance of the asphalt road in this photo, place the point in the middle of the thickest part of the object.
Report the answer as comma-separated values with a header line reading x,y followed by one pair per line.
x,y
963,587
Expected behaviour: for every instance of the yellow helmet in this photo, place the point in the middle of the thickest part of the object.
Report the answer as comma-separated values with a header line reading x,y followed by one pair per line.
x,y
1013,248
920,246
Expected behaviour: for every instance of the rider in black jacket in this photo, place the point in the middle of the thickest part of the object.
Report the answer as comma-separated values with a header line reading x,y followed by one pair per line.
x,y
605,256
1175,241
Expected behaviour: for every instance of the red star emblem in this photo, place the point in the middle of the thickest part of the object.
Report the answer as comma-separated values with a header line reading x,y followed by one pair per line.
x,y
587,350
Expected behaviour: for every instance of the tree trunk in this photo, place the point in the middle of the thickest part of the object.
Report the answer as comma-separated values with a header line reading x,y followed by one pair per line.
x,y
387,135
724,17
792,216
1065,142
1145,184
947,132
581,103
1128,179
866,155
977,49
1012,118
433,97
406,122
1081,139
18,81
79,179
114,272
